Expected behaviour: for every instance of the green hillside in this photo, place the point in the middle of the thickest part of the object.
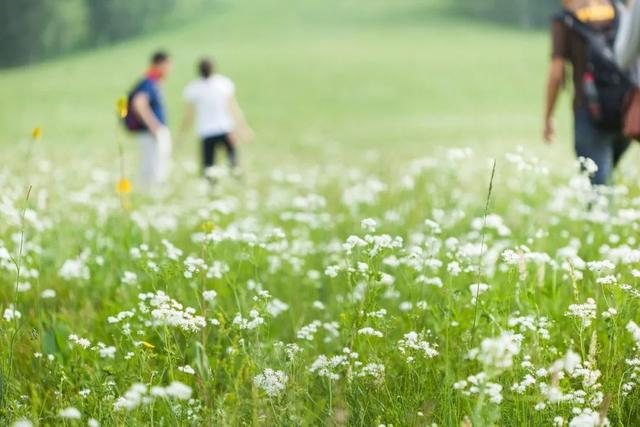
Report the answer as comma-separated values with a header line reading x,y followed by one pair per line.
x,y
400,76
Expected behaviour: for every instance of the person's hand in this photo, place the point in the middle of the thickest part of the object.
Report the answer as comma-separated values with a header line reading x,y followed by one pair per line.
x,y
156,129
180,137
247,134
243,134
163,135
549,131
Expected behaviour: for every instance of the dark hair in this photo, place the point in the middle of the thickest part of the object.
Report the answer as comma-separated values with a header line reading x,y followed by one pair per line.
x,y
159,57
205,68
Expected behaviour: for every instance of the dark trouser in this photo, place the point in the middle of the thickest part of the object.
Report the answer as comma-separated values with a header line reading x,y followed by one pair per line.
x,y
604,147
211,143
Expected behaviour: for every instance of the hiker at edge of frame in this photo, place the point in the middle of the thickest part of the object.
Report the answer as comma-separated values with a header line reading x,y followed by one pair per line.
x,y
577,33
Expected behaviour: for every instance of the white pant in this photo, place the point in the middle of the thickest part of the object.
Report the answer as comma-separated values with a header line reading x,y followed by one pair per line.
x,y
155,158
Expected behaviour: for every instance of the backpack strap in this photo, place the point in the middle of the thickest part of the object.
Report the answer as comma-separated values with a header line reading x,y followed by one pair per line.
x,y
596,40
572,22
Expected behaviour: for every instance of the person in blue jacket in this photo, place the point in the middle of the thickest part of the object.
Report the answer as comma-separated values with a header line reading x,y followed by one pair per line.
x,y
147,104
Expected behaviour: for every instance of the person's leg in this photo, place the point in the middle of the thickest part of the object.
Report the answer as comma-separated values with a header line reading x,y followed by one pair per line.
x,y
210,158
207,153
620,146
595,144
147,160
164,148
232,153
214,147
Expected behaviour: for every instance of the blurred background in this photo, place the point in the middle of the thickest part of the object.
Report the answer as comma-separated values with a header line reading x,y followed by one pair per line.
x,y
32,30
317,79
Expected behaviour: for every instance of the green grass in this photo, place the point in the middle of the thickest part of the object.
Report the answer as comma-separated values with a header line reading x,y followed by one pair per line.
x,y
343,96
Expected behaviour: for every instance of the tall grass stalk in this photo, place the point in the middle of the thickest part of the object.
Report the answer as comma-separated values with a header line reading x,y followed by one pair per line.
x,y
17,260
480,256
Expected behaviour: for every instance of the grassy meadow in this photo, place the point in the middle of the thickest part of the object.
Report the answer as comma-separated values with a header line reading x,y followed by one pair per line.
x,y
395,77
402,249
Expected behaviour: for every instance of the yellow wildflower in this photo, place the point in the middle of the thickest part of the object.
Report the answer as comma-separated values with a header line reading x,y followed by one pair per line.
x,y
148,345
123,186
36,133
208,226
122,108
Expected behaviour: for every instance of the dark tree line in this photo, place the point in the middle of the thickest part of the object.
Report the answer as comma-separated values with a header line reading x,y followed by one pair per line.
x,y
524,13
31,30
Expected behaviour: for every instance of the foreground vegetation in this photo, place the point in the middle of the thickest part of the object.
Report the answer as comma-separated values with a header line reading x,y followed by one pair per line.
x,y
356,273
319,296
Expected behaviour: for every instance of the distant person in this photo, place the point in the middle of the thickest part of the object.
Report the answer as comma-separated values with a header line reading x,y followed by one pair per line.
x,y
628,40
597,136
219,121
147,118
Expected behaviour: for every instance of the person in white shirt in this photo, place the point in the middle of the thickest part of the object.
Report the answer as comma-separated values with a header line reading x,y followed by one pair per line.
x,y
219,121
628,40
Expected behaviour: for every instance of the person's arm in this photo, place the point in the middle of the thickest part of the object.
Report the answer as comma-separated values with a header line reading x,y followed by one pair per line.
x,y
242,130
628,41
554,83
559,56
140,103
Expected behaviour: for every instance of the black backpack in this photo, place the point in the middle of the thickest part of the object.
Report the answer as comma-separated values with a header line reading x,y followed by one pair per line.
x,y
132,120
605,86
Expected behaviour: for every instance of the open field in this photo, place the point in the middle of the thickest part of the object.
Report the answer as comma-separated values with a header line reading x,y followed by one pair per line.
x,y
359,274
400,78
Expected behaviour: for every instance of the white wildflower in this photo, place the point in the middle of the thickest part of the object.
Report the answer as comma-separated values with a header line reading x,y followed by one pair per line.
x,y
70,413
271,382
370,332
586,312
369,225
11,313
275,307
178,390
476,290
74,269
129,278
186,369
497,353
209,296
414,341
47,294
